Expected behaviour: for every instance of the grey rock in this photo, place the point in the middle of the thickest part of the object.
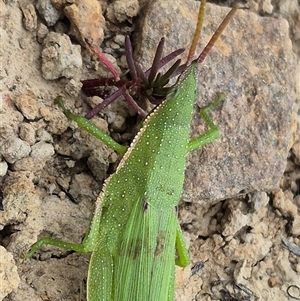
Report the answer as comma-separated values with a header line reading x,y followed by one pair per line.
x,y
48,12
60,57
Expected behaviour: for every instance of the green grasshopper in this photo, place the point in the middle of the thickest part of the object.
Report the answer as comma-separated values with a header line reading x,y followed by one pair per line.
x,y
134,235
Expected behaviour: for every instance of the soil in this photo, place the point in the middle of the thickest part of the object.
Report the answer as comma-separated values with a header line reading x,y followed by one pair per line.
x,y
240,208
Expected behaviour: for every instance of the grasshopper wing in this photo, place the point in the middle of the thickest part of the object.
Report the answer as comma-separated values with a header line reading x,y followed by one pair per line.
x,y
145,267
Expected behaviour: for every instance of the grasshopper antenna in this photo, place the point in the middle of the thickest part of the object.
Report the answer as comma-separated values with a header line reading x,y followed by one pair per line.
x,y
213,39
197,32
216,35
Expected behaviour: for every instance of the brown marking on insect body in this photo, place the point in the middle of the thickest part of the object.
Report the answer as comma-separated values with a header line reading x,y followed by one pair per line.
x,y
133,248
137,248
160,244
170,192
138,245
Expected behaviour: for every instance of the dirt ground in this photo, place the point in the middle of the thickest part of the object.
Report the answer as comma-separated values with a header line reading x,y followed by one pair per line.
x,y
240,208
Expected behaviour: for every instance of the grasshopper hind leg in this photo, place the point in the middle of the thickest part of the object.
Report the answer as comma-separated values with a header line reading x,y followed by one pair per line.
x,y
182,259
82,248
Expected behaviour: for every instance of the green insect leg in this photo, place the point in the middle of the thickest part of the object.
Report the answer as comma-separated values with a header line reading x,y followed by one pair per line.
x,y
212,133
87,245
57,243
91,128
182,259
